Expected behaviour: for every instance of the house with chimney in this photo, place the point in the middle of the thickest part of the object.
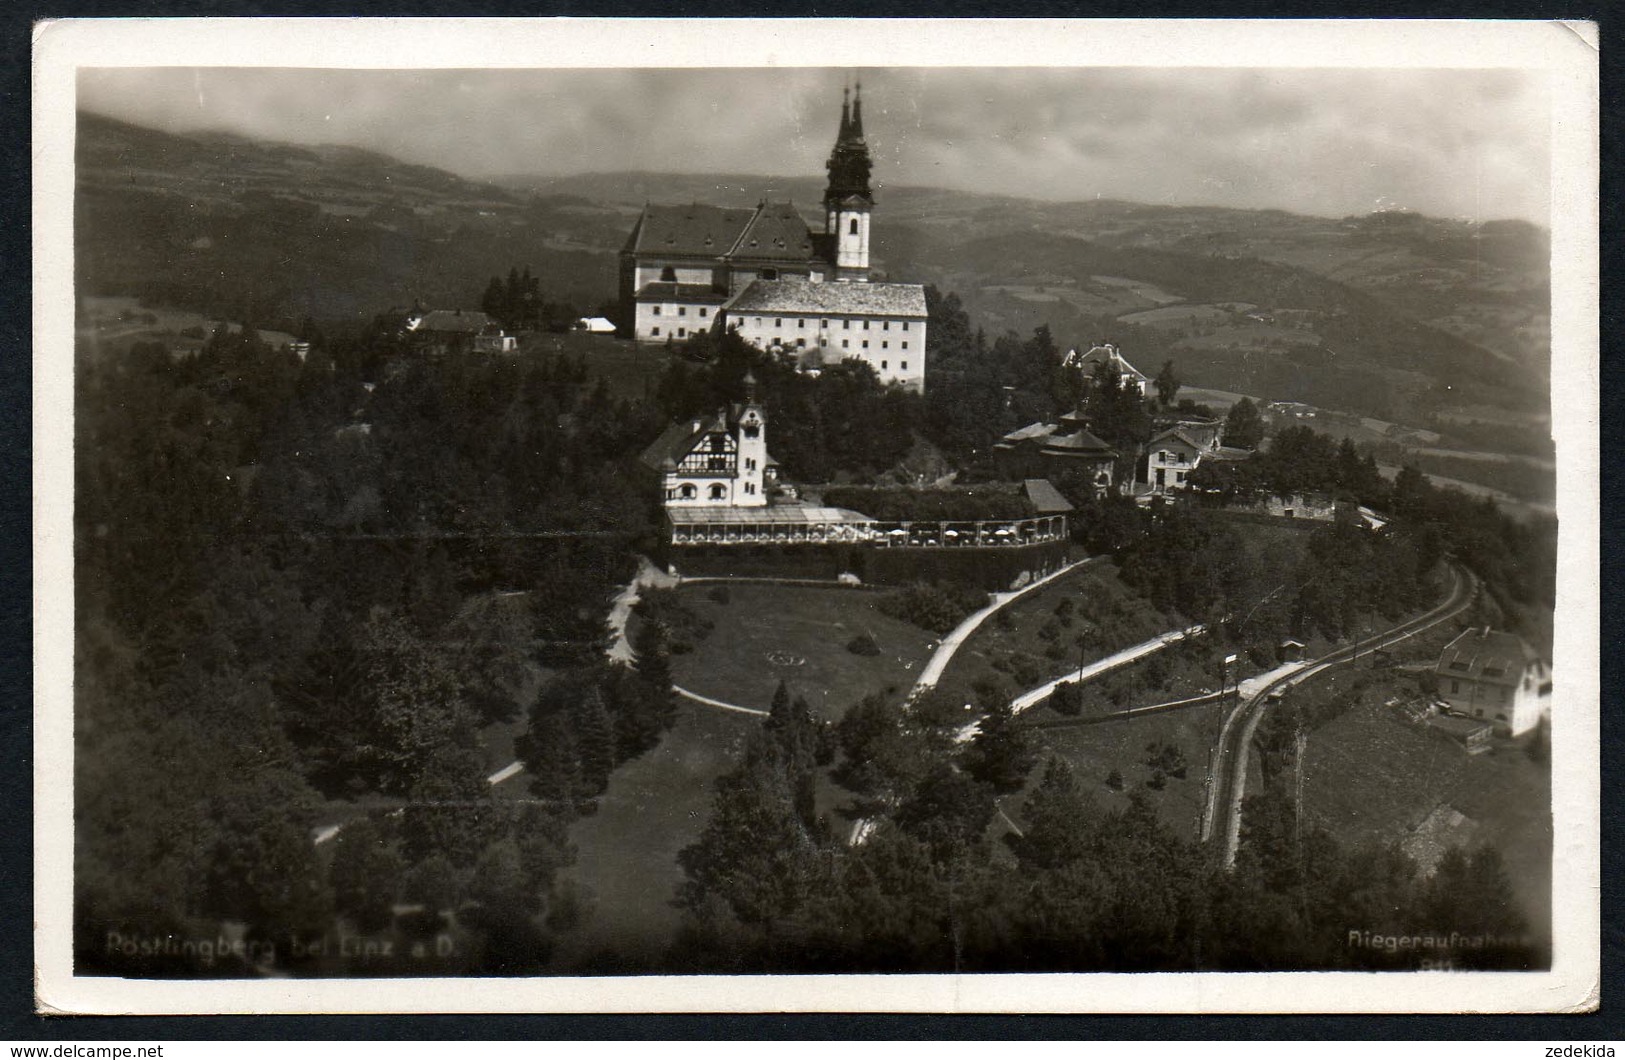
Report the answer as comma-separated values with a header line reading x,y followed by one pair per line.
x,y
1496,677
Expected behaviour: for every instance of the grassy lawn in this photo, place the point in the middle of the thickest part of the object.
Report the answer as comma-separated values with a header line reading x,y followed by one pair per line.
x,y
798,634
627,851
630,370
1095,750
1373,775
1008,648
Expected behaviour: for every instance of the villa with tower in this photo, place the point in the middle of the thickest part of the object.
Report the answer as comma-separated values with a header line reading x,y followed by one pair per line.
x,y
765,273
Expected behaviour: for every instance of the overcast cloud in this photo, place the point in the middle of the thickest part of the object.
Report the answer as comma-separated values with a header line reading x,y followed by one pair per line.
x,y
1470,144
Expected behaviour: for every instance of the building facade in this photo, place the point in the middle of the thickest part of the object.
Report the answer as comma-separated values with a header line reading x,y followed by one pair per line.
x,y
691,269
715,461
1495,677
1105,354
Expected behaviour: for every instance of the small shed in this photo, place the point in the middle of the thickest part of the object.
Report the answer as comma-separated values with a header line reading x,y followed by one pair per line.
x,y
596,325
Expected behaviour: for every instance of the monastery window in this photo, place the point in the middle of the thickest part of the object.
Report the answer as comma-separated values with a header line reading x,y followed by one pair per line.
x,y
750,463
682,332
866,344
884,366
885,325
1455,686
884,344
750,487
668,275
655,331
682,310
777,341
824,323
718,491
655,311
905,345
686,491
865,325
905,325
854,228
702,312
778,322
846,344
846,324
716,463
801,323
801,342
752,430
902,366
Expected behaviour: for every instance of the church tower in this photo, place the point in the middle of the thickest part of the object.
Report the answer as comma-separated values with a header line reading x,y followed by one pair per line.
x,y
750,488
848,201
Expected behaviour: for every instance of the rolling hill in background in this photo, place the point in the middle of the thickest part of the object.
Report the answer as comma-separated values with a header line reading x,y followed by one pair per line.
x,y
1392,314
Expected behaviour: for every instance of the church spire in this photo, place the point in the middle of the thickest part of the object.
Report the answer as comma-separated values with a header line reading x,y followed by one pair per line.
x,y
849,163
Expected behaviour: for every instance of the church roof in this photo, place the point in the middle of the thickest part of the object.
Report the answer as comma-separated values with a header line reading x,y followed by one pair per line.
x,y
859,299
694,230
665,291
775,232
1488,655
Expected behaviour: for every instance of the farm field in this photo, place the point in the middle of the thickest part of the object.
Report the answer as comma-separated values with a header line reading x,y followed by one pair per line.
x,y
626,859
798,634
1373,775
1255,335
1176,315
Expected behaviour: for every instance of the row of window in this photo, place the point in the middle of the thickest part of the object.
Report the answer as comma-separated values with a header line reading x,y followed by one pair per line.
x,y
681,333
846,344
823,323
716,491
682,311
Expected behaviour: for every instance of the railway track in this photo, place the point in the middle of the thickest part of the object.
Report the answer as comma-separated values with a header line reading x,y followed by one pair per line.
x,y
1228,776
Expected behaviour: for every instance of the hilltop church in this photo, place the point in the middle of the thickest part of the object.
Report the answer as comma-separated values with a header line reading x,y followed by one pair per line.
x,y
765,273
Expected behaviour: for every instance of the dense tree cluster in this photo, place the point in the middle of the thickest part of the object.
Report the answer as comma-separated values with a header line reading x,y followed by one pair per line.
x,y
942,879
303,589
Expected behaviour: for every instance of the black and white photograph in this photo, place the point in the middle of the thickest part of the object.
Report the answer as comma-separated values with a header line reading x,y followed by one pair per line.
x,y
921,505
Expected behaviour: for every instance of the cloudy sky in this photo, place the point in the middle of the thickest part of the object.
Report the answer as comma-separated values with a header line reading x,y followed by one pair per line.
x,y
1456,143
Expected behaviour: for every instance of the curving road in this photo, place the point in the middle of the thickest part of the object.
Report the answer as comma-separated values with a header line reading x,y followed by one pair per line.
x,y
1228,783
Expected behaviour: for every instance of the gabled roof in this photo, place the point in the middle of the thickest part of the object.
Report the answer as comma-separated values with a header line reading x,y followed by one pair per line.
x,y
459,321
692,231
1078,443
1105,353
666,291
1031,432
775,232
1177,434
1487,655
1045,498
855,299
678,440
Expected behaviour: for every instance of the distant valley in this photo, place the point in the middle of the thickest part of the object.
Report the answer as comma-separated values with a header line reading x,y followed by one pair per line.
x,y
1394,315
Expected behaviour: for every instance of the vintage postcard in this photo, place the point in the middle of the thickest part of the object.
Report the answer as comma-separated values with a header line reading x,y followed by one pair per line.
x,y
894,515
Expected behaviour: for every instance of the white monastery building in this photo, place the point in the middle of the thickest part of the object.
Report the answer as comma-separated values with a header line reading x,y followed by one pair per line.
x,y
691,269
